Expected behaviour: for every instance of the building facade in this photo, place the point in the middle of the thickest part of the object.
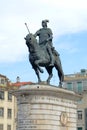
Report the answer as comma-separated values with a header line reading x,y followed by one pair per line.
x,y
8,103
7,106
7,111
82,112
78,83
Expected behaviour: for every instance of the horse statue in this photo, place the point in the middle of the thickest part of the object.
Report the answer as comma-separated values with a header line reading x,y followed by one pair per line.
x,y
39,57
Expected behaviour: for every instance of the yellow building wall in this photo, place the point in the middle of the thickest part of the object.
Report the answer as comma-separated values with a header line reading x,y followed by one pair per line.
x,y
7,104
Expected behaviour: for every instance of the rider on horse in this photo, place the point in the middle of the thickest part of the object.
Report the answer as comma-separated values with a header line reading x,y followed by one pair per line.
x,y
45,38
38,56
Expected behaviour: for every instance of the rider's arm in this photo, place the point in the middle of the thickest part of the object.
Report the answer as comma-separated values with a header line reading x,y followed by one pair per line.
x,y
37,33
50,34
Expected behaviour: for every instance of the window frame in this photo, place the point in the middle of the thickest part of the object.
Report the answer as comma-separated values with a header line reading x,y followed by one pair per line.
x,y
1,127
9,113
8,127
2,81
79,115
70,86
79,87
1,112
9,96
2,95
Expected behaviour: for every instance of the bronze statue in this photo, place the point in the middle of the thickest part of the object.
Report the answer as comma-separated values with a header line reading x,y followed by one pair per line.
x,y
45,38
44,54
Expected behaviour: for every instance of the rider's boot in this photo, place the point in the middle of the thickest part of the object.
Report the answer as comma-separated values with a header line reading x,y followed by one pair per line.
x,y
51,56
51,62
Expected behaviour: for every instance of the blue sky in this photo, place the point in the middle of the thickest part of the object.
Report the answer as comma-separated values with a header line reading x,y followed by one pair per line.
x,y
68,21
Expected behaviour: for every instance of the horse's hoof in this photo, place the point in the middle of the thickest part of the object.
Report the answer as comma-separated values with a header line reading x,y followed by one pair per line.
x,y
39,82
60,85
48,82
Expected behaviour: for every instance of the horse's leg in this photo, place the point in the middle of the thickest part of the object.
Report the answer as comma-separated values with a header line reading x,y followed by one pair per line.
x,y
37,73
61,78
58,67
49,70
38,76
37,64
60,74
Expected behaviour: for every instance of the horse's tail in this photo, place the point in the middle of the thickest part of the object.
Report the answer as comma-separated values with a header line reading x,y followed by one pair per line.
x,y
58,66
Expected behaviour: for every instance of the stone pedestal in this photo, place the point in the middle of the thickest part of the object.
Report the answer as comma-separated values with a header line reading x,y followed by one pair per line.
x,y
44,107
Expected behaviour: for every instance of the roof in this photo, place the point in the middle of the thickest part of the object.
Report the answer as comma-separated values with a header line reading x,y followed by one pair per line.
x,y
3,76
18,84
12,86
74,77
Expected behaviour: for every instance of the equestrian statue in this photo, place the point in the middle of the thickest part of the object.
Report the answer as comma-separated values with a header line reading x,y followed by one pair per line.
x,y
43,54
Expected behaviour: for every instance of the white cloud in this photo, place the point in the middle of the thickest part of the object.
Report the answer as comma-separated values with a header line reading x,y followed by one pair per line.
x,y
12,52
66,16
69,48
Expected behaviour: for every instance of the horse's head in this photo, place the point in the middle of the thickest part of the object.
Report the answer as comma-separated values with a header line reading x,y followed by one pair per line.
x,y
30,39
31,42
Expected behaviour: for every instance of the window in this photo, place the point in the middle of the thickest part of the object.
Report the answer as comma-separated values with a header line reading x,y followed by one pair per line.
x,y
9,113
1,127
2,81
79,128
80,101
8,127
1,112
69,86
2,95
79,115
79,87
9,96
83,71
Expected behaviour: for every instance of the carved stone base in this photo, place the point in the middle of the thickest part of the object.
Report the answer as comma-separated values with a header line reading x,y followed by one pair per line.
x,y
43,107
